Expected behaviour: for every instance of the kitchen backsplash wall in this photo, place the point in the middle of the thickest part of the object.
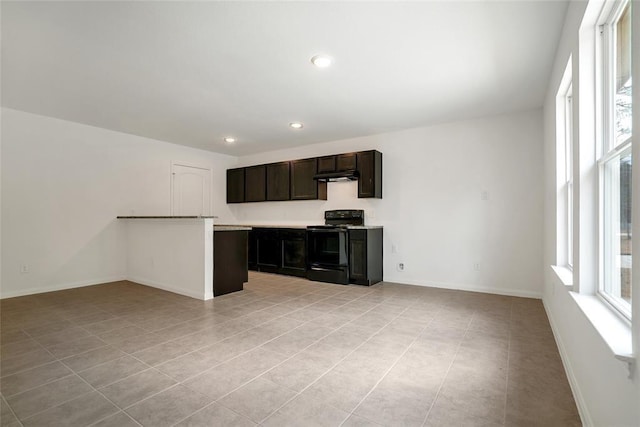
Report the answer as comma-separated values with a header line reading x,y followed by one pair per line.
x,y
340,195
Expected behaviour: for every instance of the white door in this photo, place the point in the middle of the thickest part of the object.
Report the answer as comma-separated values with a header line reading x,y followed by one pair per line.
x,y
191,190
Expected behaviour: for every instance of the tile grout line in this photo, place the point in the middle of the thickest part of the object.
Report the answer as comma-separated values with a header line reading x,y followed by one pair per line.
x,y
290,357
444,378
304,298
506,386
230,336
335,364
55,359
215,401
12,411
74,373
253,348
388,370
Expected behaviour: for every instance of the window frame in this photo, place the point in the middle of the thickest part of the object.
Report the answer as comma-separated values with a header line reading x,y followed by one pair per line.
x,y
565,169
607,147
568,101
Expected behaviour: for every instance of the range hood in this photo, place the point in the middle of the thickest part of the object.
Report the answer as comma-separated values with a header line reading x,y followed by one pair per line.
x,y
350,175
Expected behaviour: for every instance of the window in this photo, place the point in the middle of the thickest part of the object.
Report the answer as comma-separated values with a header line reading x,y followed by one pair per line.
x,y
564,155
568,108
615,160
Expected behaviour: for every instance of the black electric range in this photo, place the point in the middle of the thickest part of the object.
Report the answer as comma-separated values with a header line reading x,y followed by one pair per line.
x,y
328,246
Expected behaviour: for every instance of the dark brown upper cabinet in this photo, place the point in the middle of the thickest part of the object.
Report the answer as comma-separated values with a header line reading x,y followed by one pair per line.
x,y
294,180
235,185
327,164
346,162
278,181
303,186
255,188
337,163
370,168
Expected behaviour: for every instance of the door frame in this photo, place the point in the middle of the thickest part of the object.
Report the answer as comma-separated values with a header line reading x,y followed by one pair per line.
x,y
172,178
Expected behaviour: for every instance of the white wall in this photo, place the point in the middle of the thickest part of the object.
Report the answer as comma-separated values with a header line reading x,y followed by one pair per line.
x,y
605,396
432,210
172,254
63,184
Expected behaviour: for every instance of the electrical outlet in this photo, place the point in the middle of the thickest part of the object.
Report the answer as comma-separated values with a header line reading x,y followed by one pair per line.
x,y
484,195
394,249
476,267
24,268
401,266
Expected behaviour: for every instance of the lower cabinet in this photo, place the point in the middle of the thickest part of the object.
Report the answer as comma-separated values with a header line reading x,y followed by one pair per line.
x,y
365,256
229,261
267,250
284,251
278,250
294,252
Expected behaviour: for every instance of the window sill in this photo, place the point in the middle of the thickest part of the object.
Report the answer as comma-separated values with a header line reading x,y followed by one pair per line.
x,y
613,329
565,274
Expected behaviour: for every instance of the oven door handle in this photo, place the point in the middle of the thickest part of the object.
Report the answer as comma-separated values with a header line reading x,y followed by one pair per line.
x,y
326,230
324,269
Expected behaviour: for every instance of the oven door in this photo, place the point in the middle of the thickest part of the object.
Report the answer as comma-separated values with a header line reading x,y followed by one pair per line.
x,y
327,255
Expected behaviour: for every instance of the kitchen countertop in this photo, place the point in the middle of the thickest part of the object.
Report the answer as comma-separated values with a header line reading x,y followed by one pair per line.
x,y
166,217
231,228
243,227
301,227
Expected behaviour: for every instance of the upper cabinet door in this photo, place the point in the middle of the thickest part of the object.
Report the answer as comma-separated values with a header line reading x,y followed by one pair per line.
x,y
278,181
370,168
346,162
303,186
255,189
326,164
235,185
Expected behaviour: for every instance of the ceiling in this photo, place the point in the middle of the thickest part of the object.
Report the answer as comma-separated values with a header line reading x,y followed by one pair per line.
x,y
193,73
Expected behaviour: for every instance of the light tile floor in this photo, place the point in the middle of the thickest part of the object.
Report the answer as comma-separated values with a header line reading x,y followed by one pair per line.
x,y
283,352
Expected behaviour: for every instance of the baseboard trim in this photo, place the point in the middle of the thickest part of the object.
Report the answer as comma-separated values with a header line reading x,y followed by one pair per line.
x,y
469,288
166,287
43,290
573,383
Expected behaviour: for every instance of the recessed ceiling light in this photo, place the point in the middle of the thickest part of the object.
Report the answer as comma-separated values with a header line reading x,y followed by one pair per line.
x,y
321,61
229,140
295,125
